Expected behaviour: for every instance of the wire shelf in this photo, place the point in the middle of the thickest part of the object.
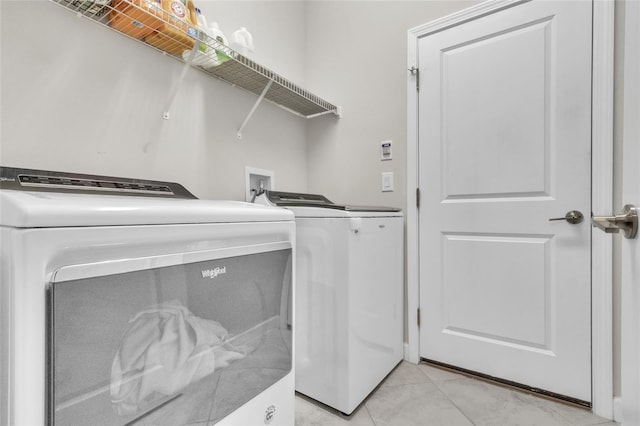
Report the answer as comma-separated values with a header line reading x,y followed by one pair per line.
x,y
146,22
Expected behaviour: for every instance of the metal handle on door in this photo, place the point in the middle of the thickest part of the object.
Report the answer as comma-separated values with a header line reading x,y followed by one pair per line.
x,y
627,222
573,217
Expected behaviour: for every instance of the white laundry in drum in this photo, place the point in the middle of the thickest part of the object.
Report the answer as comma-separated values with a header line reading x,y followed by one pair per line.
x,y
165,349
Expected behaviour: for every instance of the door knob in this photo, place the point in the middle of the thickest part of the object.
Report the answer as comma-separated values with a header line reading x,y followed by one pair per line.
x,y
627,222
573,217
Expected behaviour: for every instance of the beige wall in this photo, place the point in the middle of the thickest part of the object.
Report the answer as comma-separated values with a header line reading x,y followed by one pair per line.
x,y
79,97
357,55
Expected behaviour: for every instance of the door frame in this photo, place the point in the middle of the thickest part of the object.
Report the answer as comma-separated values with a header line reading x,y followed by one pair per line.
x,y
601,195
630,308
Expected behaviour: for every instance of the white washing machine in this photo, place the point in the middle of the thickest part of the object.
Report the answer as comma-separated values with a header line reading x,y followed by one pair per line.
x,y
132,302
349,296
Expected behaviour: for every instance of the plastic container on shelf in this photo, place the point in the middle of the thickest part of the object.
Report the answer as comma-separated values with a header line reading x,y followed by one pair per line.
x,y
216,33
179,29
242,41
206,56
136,18
207,60
202,21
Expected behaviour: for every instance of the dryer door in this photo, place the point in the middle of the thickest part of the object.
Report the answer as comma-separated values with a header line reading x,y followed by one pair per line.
x,y
176,339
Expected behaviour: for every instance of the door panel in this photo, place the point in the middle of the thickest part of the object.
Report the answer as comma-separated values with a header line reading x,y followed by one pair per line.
x,y
515,84
497,268
504,145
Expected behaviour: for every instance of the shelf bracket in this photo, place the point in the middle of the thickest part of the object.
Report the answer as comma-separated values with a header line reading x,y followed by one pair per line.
x,y
255,106
178,83
335,112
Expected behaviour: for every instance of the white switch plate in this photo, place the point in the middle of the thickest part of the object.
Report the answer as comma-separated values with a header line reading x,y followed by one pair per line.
x,y
387,182
385,150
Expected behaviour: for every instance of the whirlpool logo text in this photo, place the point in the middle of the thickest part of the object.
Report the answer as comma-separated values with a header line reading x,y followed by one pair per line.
x,y
212,273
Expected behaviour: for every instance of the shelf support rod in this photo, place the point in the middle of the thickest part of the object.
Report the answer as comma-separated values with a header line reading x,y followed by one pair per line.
x,y
335,112
178,83
255,106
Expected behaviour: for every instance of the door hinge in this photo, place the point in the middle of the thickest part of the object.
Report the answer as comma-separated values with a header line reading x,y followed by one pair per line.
x,y
418,317
416,71
418,197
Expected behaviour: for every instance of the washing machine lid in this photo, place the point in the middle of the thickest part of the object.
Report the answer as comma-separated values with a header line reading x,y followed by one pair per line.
x,y
52,204
314,205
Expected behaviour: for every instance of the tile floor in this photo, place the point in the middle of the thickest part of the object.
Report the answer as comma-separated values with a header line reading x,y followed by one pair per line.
x,y
423,395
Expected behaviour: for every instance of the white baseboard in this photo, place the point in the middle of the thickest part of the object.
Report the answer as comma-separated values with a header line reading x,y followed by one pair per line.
x,y
617,409
406,355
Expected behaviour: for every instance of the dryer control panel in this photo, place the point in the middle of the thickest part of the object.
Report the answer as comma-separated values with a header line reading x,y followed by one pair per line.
x,y
50,181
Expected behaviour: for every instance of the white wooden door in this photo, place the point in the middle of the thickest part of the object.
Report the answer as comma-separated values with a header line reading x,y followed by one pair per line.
x,y
504,145
631,195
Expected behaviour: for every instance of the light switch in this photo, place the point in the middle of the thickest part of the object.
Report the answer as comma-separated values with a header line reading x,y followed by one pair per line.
x,y
387,182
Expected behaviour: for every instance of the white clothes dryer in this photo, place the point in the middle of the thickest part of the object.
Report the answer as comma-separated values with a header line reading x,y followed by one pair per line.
x,y
132,302
349,296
